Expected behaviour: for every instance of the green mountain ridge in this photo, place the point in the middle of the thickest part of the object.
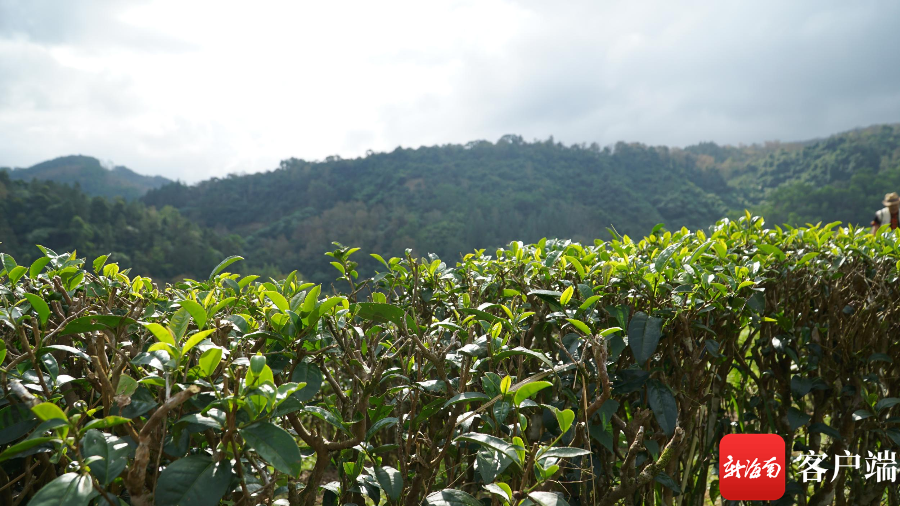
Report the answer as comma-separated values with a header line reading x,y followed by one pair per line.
x,y
453,199
91,177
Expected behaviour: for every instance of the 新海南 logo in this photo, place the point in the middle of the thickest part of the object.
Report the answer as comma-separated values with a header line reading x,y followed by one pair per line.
x,y
752,467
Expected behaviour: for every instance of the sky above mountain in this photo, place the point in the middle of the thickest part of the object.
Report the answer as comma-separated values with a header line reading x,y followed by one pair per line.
x,y
192,90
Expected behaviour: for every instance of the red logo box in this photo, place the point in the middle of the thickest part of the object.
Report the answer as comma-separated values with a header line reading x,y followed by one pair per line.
x,y
752,467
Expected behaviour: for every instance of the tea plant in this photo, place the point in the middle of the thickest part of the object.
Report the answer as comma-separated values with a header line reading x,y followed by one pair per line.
x,y
549,374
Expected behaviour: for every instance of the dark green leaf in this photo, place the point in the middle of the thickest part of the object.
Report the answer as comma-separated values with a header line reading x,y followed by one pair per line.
x,y
668,482
800,386
113,450
223,264
380,424
886,403
193,481
825,429
643,336
15,421
75,351
466,397
797,418
665,255
70,489
524,351
326,415
275,445
547,499
492,443
390,480
28,444
378,312
663,404
860,414
451,497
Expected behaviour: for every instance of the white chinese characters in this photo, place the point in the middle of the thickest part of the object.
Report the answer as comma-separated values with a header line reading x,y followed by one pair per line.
x,y
751,470
882,465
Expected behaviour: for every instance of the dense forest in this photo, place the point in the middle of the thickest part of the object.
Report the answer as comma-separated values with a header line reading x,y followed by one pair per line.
x,y
89,174
453,199
145,239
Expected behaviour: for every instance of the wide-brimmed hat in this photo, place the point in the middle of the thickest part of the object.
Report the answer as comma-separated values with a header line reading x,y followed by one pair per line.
x,y
891,199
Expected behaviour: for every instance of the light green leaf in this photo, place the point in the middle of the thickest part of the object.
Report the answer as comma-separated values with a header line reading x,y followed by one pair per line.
x,y
161,333
505,384
565,418
37,267
40,307
309,303
196,310
578,324
566,296
500,490
99,262
209,360
16,273
529,389
194,340
105,423
49,411
280,302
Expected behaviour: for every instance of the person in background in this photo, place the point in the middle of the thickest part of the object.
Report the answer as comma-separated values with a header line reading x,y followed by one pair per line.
x,y
889,214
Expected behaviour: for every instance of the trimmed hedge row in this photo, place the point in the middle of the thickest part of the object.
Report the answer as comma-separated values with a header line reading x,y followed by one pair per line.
x,y
550,374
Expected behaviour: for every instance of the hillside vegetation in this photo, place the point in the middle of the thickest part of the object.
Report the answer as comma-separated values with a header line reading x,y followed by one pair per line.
x,y
548,374
145,239
91,177
454,199
449,200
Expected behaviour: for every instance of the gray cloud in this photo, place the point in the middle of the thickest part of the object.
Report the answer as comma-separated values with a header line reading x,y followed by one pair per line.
x,y
92,24
251,88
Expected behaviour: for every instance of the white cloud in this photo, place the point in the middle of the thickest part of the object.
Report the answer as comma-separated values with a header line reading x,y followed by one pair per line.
x,y
192,90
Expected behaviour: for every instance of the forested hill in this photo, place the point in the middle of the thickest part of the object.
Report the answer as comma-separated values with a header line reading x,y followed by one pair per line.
x,y
453,199
147,240
841,178
91,177
450,200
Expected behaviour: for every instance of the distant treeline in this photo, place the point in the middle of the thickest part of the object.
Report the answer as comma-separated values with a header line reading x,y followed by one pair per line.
x,y
453,199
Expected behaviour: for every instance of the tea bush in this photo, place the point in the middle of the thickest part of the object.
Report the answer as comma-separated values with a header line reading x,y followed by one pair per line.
x,y
548,374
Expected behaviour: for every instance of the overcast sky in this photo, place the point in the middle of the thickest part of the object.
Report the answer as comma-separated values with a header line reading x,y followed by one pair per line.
x,y
196,89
